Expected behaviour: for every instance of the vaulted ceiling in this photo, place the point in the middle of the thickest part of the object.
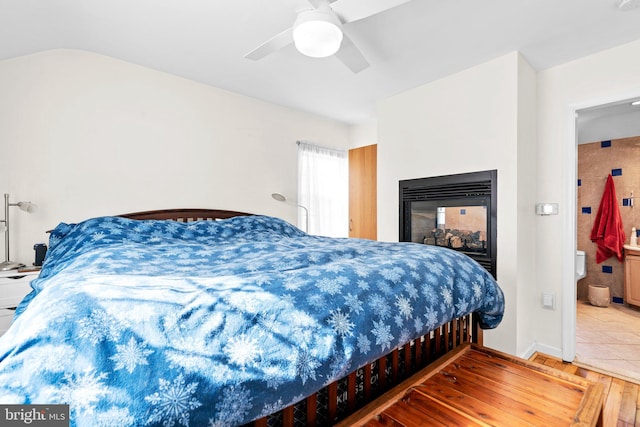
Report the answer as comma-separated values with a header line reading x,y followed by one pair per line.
x,y
406,46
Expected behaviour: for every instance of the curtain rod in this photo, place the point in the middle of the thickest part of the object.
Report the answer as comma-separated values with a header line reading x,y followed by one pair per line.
x,y
324,147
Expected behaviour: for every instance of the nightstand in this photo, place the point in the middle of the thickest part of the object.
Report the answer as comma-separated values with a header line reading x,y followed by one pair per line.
x,y
14,286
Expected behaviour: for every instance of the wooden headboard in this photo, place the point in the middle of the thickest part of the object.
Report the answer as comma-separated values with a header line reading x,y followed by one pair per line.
x,y
185,215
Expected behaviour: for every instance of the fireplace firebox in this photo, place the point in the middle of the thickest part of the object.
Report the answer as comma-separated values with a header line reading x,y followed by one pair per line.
x,y
453,211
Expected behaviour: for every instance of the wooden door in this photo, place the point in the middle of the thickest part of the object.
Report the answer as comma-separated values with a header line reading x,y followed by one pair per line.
x,y
363,190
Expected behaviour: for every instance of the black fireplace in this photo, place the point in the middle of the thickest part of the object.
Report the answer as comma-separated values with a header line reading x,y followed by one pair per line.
x,y
454,211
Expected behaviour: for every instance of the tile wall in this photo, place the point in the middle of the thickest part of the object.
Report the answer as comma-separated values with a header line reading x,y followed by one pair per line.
x,y
621,159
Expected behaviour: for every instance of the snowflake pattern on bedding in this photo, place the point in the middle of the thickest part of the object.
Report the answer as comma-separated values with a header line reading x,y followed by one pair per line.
x,y
220,322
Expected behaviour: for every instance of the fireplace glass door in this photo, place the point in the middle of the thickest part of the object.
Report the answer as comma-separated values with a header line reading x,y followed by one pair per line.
x,y
453,211
455,225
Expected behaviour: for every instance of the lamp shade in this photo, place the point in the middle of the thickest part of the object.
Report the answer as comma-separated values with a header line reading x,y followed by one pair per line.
x,y
317,33
281,198
26,206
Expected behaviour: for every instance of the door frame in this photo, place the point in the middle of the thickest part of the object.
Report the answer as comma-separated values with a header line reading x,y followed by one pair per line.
x,y
569,217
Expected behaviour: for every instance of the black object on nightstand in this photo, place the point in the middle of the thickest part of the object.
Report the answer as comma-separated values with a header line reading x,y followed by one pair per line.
x,y
41,251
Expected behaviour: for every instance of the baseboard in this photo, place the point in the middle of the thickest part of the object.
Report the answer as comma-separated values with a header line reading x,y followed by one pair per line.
x,y
541,348
528,352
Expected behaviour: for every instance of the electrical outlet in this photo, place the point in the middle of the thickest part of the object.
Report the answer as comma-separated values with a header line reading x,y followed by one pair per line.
x,y
549,300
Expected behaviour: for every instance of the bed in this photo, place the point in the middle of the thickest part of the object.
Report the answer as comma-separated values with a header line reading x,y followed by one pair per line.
x,y
222,318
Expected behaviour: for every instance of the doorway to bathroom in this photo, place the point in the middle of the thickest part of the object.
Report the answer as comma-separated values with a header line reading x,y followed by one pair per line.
x,y
607,335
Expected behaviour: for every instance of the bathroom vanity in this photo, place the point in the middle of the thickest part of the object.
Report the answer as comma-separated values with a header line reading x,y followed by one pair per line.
x,y
632,275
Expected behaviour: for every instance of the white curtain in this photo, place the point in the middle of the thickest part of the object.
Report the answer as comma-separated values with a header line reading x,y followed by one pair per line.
x,y
323,188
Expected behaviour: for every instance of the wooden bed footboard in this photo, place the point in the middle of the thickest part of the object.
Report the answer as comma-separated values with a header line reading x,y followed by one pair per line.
x,y
343,397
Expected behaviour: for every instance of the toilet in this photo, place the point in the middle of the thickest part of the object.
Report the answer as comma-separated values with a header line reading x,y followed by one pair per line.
x,y
581,265
599,295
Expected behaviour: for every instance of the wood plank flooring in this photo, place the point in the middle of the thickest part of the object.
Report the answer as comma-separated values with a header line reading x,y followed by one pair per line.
x,y
477,386
621,398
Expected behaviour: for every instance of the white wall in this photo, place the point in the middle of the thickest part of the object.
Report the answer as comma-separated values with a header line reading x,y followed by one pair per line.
x,y
529,295
605,77
474,120
84,135
363,134
617,126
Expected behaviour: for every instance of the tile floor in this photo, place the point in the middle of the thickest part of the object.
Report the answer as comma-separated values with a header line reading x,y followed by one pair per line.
x,y
608,339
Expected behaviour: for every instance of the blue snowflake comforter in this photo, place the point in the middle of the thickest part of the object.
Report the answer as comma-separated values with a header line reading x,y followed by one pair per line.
x,y
220,322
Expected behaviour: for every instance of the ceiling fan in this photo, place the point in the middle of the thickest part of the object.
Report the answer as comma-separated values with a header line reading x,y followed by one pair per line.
x,y
318,32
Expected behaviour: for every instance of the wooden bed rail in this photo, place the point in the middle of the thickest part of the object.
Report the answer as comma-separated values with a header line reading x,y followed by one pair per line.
x,y
342,398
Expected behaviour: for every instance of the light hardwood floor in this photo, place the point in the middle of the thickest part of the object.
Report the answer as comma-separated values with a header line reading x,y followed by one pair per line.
x,y
621,398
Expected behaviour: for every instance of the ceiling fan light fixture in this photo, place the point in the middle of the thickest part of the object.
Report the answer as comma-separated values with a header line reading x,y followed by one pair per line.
x,y
317,33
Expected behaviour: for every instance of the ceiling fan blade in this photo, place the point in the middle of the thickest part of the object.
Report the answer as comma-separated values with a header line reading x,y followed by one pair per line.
x,y
354,10
275,43
351,56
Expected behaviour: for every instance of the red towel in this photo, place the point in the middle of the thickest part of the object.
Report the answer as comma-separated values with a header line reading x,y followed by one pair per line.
x,y
607,231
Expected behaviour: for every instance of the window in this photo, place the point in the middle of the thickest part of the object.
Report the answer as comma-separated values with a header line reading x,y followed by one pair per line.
x,y
323,188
